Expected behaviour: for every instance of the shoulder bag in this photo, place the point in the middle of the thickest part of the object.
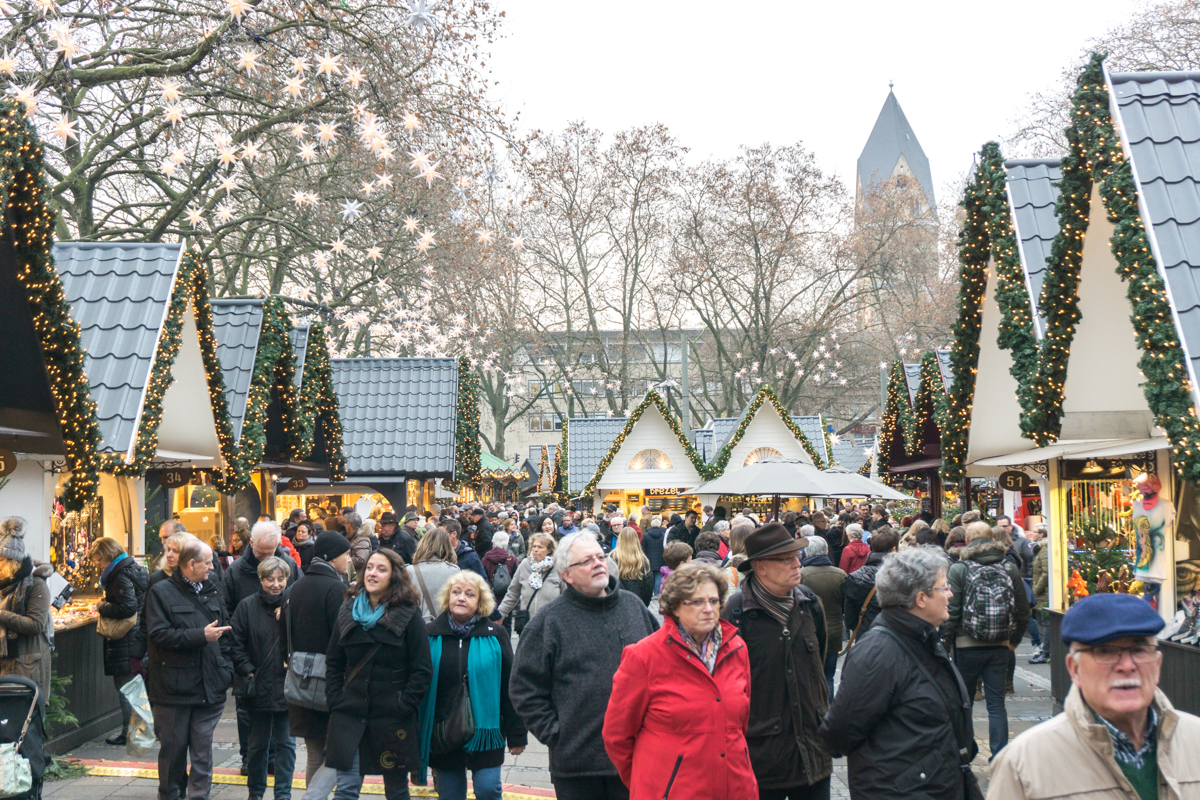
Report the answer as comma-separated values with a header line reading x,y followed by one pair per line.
x,y
861,616
111,628
521,615
304,684
16,777
433,612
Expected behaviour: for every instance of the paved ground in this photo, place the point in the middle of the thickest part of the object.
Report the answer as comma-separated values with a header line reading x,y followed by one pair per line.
x,y
525,776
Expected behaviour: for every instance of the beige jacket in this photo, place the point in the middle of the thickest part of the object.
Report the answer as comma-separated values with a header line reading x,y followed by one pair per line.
x,y
1071,757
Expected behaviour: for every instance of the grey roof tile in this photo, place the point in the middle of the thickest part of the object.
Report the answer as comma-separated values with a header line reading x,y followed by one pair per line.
x,y
299,339
237,325
588,439
1033,191
703,443
849,456
811,426
398,415
118,293
945,368
912,377
723,428
1158,116
891,138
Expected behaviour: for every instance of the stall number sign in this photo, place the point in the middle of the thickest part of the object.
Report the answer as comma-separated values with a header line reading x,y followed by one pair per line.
x,y
174,478
8,462
1014,481
664,492
298,484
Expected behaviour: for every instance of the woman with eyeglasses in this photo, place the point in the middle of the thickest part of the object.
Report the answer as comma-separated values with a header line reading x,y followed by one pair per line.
x,y
680,703
902,714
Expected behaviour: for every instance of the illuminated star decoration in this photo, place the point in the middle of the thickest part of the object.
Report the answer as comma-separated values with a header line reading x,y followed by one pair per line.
x,y
338,246
307,151
26,95
8,64
375,253
294,86
237,8
410,224
224,213
517,242
194,216
174,114
485,237
419,14
248,60
354,77
351,210
329,65
410,121
426,241
65,128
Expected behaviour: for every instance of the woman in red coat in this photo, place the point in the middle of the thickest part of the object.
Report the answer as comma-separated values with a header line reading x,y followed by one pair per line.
x,y
676,720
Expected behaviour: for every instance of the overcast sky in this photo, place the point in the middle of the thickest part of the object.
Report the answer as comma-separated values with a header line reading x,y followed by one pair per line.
x,y
720,75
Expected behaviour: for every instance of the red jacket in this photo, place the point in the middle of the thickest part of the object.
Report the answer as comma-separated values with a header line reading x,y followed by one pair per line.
x,y
854,555
673,730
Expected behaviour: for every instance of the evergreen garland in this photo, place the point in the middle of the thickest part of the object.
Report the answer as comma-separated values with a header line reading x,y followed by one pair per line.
x,y
466,428
829,460
721,461
30,221
543,468
894,412
560,464
317,404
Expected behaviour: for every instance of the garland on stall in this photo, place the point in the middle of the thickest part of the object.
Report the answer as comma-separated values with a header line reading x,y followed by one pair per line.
x,y
190,292
543,468
26,214
1096,155
865,469
466,429
274,371
717,467
317,405
829,460
705,471
560,464
895,412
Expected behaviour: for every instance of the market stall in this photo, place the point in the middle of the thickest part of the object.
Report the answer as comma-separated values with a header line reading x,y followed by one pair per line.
x,y
910,439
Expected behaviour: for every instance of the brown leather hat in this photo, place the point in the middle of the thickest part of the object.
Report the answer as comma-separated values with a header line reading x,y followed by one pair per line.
x,y
770,540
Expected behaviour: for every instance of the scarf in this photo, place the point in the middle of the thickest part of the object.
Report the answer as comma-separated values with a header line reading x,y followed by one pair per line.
x,y
104,576
780,608
483,678
363,614
464,629
707,649
270,600
538,571
816,561
196,587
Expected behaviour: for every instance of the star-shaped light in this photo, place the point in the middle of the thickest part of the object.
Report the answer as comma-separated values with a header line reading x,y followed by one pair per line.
x,y
456,216
299,130
464,149
354,76
178,155
195,216
367,187
26,95
237,8
251,151
486,238
299,198
170,91
63,36
384,181
167,167
8,64
248,60
45,7
375,253
420,159
327,131
307,151
419,15
224,213
300,65
426,241
228,184
431,174
338,246
321,260
411,224
410,121
294,86
516,242
227,156
329,65
174,114
351,210
463,182
64,128
386,154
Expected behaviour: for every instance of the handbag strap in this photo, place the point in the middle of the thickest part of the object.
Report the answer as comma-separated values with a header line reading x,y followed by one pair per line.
x,y
535,591
362,663
861,616
287,623
424,591
28,718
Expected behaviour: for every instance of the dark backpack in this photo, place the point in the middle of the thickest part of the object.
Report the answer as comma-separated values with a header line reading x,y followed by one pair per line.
x,y
501,580
988,608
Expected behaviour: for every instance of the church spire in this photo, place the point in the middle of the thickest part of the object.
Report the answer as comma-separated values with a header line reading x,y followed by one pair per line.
x,y
892,149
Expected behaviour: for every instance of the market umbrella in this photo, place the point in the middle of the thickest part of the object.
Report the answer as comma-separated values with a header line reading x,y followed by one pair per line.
x,y
850,484
777,476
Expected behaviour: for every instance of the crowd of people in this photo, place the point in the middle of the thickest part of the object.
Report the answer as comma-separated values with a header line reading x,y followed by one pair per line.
x,y
404,664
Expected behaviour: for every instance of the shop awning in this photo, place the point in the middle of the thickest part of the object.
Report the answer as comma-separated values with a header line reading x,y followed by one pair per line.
x,y
174,455
917,466
337,488
1056,450
1118,449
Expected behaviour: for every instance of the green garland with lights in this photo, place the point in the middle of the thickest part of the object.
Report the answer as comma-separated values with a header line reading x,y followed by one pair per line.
x,y
908,419
705,471
29,220
865,469
1096,155
189,292
466,428
543,468
316,404
828,442
560,464
896,409
766,393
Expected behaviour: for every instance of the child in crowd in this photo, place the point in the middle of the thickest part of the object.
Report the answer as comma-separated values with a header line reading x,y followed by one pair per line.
x,y
675,555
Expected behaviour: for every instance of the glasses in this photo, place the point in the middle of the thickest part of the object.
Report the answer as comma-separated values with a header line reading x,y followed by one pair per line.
x,y
1110,655
711,602
596,559
945,589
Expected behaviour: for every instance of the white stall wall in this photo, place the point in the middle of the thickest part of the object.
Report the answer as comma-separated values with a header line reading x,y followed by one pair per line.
x,y
650,432
28,493
767,430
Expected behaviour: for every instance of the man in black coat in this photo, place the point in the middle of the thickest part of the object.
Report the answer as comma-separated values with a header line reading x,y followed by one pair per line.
x,y
479,531
310,612
402,539
189,671
684,531
859,606
783,625
902,715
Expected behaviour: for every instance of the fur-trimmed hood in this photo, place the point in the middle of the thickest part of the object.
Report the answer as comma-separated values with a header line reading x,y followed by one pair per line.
x,y
985,551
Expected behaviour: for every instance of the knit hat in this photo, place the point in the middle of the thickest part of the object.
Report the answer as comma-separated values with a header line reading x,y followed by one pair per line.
x,y
330,545
12,538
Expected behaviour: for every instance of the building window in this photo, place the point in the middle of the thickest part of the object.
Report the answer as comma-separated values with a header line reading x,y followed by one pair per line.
x,y
759,454
650,459
547,423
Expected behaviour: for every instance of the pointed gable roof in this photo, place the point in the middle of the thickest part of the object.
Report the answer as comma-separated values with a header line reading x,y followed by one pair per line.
x,y
1032,186
765,395
891,139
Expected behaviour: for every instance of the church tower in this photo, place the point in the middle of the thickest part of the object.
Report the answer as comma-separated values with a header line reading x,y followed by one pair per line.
x,y
893,154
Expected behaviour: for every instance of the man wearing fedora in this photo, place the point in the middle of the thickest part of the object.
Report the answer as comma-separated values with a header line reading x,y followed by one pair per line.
x,y
401,539
783,625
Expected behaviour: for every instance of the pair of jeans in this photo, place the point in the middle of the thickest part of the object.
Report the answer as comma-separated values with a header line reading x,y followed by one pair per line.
x,y
267,728
184,731
126,707
814,791
990,664
1035,633
831,659
452,784
658,579
348,782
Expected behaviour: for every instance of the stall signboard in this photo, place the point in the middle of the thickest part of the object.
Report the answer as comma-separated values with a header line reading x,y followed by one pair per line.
x,y
8,463
175,478
1107,469
665,492
1014,481
297,484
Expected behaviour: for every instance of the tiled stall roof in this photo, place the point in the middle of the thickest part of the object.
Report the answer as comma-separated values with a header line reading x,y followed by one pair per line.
x,y
815,431
118,293
723,428
1032,193
299,339
945,368
848,455
912,377
237,324
398,414
588,440
1158,119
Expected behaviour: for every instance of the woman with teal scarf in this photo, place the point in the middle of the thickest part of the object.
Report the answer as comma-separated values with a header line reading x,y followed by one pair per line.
x,y
469,653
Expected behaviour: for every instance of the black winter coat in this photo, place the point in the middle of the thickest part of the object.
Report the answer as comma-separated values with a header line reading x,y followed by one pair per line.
x,y
788,691
314,602
680,532
452,670
184,668
124,596
652,545
900,731
259,647
241,579
643,587
376,713
306,549
854,592
402,542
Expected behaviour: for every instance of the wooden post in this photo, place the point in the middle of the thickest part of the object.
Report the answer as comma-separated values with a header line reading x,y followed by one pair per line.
x,y
775,509
966,495
935,493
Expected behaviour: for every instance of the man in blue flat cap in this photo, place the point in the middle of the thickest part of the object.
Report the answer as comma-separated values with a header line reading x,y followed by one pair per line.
x,y
1118,736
